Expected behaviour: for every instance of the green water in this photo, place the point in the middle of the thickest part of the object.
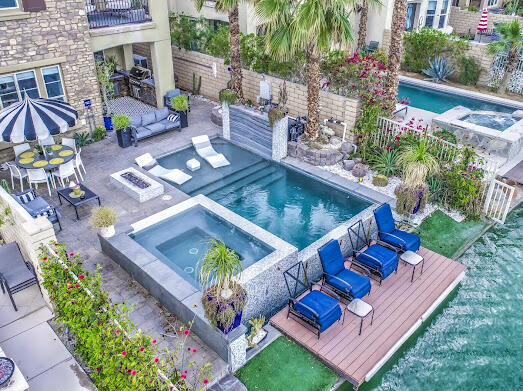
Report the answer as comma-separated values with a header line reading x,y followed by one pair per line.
x,y
476,341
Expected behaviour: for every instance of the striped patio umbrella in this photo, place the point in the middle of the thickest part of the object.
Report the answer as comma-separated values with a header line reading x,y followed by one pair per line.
x,y
482,26
34,119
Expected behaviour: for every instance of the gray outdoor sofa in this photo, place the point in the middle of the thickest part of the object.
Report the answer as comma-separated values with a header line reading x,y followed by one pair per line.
x,y
153,123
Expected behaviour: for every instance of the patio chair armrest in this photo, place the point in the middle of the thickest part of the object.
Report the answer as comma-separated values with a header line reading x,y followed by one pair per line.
x,y
365,270
369,256
394,236
339,279
321,286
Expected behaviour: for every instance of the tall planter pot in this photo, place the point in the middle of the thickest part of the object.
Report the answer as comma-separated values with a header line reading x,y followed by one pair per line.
x,y
237,318
124,137
183,118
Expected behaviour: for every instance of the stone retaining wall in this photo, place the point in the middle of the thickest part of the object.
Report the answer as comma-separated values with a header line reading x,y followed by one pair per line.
x,y
316,157
187,62
463,20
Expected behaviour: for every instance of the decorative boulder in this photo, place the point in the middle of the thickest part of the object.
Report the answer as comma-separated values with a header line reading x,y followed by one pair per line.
x,y
357,160
359,170
348,164
347,147
380,180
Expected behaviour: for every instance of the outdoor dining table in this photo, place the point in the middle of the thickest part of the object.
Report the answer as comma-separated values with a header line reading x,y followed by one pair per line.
x,y
57,155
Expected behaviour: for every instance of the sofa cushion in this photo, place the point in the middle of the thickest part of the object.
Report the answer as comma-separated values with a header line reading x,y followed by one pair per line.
x,y
156,128
148,118
142,132
402,240
360,284
384,218
169,124
161,114
331,258
136,121
388,258
326,308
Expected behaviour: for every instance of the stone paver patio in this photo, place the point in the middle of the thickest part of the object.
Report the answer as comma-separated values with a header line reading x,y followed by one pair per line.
x,y
101,159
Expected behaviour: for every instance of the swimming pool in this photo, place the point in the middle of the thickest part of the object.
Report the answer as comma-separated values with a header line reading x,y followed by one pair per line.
x,y
293,206
441,101
475,343
182,240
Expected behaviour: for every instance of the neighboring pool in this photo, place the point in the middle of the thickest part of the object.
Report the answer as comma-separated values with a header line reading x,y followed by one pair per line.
x,y
439,102
492,121
293,206
181,241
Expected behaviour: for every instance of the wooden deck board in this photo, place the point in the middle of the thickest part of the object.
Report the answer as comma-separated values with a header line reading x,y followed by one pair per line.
x,y
398,305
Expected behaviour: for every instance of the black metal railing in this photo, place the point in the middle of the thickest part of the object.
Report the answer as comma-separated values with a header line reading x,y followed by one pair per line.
x,y
109,13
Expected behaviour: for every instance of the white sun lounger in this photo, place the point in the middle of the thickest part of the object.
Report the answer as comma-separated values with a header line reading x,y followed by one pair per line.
x,y
204,149
149,164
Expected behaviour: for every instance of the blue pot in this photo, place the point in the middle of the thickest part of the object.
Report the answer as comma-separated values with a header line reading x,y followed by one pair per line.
x,y
236,323
108,122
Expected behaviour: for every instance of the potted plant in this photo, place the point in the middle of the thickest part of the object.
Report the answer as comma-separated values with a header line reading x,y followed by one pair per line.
x,y
257,333
104,218
223,299
180,105
121,126
104,71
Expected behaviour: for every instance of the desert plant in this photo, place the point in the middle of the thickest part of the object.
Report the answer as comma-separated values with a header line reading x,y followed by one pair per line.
x,y
256,326
411,198
275,114
439,70
180,103
196,86
380,180
437,190
5,186
82,138
121,121
228,96
103,217
418,163
98,134
385,162
469,70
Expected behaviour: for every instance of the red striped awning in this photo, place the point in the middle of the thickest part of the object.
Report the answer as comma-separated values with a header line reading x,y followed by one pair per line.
x,y
482,26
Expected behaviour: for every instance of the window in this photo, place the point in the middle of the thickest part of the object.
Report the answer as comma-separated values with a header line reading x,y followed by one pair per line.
x,y
443,14
431,11
489,4
53,82
8,4
14,87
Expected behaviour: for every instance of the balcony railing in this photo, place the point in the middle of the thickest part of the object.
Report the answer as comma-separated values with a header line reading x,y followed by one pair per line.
x,y
109,13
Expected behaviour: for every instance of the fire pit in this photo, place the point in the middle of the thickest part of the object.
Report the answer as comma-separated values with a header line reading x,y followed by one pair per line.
x,y
136,184
7,368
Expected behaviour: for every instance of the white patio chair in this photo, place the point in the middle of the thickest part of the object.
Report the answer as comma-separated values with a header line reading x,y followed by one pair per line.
x,y
21,148
36,176
78,164
69,142
18,173
149,164
46,141
204,149
65,171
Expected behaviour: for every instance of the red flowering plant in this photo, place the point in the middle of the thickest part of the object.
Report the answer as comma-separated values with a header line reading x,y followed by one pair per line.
x,y
112,351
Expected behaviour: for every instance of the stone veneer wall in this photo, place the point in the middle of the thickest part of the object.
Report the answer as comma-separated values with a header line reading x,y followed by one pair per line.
x,y
186,63
479,52
59,31
463,20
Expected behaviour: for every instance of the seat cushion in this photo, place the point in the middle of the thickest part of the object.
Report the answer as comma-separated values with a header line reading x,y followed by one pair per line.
x,y
384,218
402,240
161,114
331,258
148,118
326,307
360,284
388,259
170,124
156,128
136,121
143,132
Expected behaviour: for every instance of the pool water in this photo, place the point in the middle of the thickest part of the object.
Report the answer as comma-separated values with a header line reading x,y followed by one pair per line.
x,y
476,342
293,206
182,240
439,102
492,121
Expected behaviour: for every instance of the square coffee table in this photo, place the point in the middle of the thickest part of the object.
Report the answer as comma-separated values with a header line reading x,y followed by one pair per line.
x,y
361,309
77,201
413,260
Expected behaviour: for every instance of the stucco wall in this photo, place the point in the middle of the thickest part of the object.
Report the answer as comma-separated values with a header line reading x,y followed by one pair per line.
x,y
186,63
462,20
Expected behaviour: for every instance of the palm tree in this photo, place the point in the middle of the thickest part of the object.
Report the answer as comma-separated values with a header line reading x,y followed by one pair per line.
x,y
231,7
313,26
362,30
399,18
511,42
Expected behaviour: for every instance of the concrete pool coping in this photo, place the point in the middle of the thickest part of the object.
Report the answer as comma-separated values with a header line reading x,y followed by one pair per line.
x,y
461,92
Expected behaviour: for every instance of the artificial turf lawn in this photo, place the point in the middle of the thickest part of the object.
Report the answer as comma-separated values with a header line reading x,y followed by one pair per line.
x,y
286,366
447,237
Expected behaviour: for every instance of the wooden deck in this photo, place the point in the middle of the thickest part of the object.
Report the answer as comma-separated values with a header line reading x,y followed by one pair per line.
x,y
400,308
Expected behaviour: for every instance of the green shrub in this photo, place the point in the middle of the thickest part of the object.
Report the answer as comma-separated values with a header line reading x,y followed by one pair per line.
x,y
189,33
469,70
218,44
99,133
444,134
380,180
428,43
180,102
228,96
275,114
472,8
121,121
82,139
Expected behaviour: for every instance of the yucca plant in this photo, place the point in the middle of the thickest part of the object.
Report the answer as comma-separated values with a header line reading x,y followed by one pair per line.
x,y
385,162
418,163
439,70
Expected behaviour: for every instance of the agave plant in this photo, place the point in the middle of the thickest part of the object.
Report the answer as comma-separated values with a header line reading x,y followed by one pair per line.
x,y
385,162
439,69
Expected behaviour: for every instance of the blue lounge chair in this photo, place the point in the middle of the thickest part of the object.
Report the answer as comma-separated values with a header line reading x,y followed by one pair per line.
x,y
346,283
389,235
37,206
381,261
316,308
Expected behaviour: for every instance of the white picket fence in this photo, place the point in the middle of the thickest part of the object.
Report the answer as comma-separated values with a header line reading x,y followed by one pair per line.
x,y
497,195
497,71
